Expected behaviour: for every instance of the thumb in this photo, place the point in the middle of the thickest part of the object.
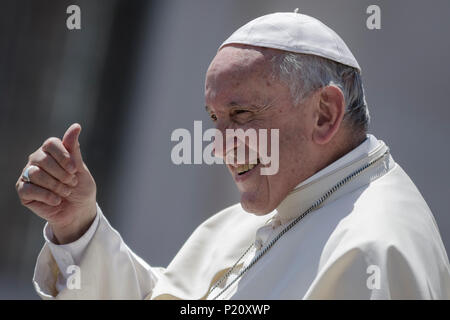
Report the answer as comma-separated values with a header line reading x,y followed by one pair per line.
x,y
71,143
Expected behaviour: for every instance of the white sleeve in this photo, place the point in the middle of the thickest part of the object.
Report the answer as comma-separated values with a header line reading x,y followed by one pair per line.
x,y
99,265
69,254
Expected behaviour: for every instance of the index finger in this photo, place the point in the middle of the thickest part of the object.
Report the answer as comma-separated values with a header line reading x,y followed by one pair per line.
x,y
56,149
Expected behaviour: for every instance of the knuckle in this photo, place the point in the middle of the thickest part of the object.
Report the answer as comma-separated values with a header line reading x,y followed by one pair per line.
x,y
54,185
49,143
25,191
31,157
38,157
20,188
65,160
46,160
66,178
48,197
59,188
24,202
20,193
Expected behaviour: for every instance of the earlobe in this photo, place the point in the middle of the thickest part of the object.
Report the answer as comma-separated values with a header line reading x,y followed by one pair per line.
x,y
329,114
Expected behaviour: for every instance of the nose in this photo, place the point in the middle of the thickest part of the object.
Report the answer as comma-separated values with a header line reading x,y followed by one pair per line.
x,y
226,145
234,150
223,145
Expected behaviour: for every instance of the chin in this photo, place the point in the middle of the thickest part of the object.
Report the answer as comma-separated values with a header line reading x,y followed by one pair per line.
x,y
254,203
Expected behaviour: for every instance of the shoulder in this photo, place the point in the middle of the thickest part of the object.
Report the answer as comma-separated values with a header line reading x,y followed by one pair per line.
x,y
389,209
392,227
390,213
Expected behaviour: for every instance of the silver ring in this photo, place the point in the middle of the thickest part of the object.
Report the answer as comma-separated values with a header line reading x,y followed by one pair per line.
x,y
25,175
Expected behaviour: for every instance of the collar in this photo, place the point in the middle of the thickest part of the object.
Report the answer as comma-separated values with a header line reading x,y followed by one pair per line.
x,y
311,189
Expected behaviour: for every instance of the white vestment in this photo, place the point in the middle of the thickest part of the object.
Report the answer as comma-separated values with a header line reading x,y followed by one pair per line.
x,y
373,238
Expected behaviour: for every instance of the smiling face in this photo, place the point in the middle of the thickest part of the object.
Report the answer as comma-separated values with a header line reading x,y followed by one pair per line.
x,y
242,93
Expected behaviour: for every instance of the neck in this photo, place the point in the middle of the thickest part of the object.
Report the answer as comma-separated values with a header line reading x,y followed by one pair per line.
x,y
342,144
314,187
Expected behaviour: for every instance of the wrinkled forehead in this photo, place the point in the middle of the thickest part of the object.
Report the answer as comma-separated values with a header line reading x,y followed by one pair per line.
x,y
239,62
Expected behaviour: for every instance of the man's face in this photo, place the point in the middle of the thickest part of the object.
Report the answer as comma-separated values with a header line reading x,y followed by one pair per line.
x,y
242,93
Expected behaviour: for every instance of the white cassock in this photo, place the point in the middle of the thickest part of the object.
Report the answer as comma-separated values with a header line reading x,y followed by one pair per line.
x,y
373,238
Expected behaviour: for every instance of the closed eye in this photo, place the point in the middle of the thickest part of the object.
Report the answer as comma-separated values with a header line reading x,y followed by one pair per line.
x,y
235,112
211,114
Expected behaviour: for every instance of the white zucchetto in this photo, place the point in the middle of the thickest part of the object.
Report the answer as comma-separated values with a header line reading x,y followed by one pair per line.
x,y
294,32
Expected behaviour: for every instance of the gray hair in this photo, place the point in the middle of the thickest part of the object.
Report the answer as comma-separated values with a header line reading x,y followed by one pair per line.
x,y
306,73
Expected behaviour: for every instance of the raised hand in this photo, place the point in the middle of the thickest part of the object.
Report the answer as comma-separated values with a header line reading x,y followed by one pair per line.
x,y
60,189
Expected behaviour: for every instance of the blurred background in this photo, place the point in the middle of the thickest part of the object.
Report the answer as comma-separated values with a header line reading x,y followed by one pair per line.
x,y
135,72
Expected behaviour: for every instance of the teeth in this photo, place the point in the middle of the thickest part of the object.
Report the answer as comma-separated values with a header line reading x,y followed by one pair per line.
x,y
245,167
242,168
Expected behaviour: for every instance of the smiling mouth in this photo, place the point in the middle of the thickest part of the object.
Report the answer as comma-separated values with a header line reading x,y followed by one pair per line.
x,y
244,168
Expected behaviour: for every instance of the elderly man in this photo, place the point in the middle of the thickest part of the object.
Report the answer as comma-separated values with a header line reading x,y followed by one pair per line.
x,y
339,220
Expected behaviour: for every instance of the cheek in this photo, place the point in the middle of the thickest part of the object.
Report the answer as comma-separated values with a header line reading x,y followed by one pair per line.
x,y
293,148
293,138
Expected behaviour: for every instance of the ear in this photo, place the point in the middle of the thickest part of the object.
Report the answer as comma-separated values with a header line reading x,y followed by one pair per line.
x,y
329,113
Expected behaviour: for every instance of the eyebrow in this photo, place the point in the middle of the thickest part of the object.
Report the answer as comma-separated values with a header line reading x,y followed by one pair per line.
x,y
231,104
236,104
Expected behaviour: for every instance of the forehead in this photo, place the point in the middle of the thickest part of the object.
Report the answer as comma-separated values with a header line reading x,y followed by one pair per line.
x,y
238,66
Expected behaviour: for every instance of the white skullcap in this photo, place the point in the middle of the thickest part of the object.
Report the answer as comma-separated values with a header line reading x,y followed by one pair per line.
x,y
294,32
